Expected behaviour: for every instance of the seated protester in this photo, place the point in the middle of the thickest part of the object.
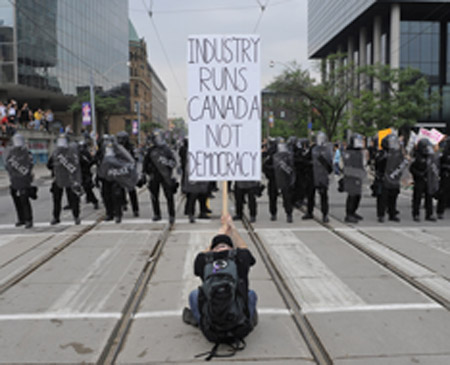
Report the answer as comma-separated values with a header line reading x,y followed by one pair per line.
x,y
223,316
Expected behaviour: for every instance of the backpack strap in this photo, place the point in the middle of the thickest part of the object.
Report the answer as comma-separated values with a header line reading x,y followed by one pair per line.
x,y
238,345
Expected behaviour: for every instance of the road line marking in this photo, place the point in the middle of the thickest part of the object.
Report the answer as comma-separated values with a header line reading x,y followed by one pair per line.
x,y
58,315
311,281
178,312
304,229
375,307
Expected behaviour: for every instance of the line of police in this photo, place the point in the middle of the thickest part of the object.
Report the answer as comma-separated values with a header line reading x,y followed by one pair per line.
x,y
295,169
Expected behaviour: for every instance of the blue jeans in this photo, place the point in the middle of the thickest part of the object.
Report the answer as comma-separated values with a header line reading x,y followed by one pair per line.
x,y
193,303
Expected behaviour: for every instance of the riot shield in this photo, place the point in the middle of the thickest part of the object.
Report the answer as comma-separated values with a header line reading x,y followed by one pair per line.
x,y
433,173
164,161
354,171
322,159
119,167
66,167
396,163
19,164
284,169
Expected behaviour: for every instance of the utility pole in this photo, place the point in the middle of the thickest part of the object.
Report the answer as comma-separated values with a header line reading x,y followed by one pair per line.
x,y
94,125
138,110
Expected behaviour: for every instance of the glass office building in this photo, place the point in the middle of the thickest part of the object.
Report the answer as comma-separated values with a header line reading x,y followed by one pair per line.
x,y
399,33
49,48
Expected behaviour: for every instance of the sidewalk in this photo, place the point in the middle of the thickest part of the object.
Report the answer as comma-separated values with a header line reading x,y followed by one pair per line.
x,y
40,172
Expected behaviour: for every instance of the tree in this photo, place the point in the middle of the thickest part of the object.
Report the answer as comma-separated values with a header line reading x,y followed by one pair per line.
x,y
405,100
328,99
105,106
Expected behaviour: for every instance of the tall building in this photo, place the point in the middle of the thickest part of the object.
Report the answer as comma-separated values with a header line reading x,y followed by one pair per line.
x,y
146,92
398,33
49,49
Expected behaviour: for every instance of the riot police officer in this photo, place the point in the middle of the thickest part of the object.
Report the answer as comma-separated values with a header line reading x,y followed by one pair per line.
x,y
444,184
246,191
389,166
86,162
19,164
269,171
124,140
65,166
321,157
118,172
158,164
425,172
354,174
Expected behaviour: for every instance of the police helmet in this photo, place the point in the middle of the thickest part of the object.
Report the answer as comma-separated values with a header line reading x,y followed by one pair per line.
x,y
390,143
320,138
62,141
424,147
356,141
18,140
122,138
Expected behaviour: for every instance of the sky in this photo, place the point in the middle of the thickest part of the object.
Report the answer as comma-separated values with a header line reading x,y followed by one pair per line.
x,y
282,26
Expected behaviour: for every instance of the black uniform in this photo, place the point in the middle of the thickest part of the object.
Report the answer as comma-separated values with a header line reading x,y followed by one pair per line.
x,y
320,157
354,174
389,166
65,166
124,140
194,190
86,162
269,171
422,172
158,164
444,184
246,191
19,164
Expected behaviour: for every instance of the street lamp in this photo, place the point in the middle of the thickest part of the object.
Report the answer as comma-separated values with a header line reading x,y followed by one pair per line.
x,y
92,94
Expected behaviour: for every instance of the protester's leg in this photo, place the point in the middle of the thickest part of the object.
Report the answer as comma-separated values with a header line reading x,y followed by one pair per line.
x,y
252,300
193,304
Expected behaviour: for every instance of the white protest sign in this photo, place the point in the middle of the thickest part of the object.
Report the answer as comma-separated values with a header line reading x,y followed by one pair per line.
x,y
434,136
224,107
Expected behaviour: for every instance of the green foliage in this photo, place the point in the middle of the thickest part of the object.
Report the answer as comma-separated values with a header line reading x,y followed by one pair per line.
x,y
105,106
328,99
149,126
404,102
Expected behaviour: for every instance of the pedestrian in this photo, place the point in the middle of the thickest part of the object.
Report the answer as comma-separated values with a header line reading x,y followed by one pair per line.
x,y
25,116
354,173
223,306
159,163
337,159
65,166
19,164
425,172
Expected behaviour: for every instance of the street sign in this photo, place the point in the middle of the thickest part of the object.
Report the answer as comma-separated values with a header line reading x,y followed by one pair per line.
x,y
86,113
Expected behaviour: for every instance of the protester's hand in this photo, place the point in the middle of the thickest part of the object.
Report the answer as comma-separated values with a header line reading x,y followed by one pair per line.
x,y
227,224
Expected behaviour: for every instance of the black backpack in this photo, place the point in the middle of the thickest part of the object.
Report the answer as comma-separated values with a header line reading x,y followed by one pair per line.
x,y
223,305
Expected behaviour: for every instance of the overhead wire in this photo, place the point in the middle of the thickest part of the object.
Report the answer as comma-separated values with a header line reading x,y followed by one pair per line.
x,y
263,8
166,56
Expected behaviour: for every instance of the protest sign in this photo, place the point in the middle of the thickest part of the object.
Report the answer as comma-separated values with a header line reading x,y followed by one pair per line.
x,y
433,135
383,133
224,107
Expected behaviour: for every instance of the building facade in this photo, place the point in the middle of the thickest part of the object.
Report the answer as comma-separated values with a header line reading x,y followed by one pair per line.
x,y
397,33
50,48
147,93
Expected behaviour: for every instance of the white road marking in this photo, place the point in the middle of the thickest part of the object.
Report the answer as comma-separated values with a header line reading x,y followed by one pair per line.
x,y
312,282
376,307
298,229
58,315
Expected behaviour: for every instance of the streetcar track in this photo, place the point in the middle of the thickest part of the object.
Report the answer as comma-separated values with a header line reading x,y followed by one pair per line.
x,y
425,289
311,339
